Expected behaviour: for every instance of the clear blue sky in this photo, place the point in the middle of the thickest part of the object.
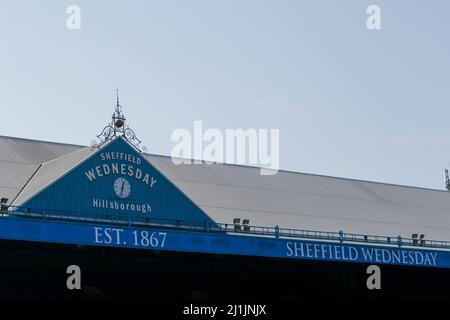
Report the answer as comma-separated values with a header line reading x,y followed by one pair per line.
x,y
349,102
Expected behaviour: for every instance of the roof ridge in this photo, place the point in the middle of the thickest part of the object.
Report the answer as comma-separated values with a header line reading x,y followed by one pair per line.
x,y
310,174
249,166
37,140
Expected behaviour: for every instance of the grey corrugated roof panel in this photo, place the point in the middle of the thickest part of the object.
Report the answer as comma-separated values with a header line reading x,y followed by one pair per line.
x,y
8,193
51,171
317,222
284,181
60,149
288,199
306,201
15,174
294,173
63,144
294,210
32,151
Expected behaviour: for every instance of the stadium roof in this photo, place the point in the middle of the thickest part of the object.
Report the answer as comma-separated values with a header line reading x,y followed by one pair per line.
x,y
224,192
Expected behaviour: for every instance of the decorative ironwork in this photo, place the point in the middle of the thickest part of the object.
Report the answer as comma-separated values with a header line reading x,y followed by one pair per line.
x,y
118,128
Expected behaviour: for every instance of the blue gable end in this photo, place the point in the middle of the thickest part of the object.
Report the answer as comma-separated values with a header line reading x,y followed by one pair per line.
x,y
117,181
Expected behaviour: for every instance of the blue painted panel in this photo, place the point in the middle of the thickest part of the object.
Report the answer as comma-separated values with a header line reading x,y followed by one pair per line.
x,y
117,179
204,242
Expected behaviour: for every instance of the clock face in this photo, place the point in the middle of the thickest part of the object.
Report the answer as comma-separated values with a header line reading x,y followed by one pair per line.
x,y
122,188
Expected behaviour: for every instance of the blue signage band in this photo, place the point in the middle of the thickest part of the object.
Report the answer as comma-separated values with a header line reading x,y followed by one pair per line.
x,y
13,228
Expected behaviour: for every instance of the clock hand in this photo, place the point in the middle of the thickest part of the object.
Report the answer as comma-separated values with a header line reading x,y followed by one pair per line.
x,y
121,190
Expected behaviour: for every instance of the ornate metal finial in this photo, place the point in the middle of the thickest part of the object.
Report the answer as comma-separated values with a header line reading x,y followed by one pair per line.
x,y
118,128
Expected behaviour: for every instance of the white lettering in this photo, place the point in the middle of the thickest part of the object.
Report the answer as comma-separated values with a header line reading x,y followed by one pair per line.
x,y
90,175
